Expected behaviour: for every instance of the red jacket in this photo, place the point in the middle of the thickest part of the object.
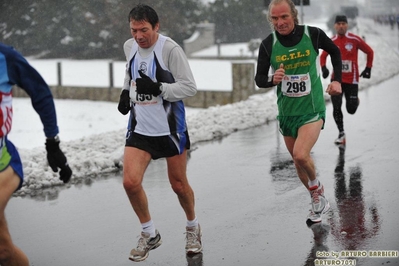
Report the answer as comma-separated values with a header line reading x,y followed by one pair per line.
x,y
349,46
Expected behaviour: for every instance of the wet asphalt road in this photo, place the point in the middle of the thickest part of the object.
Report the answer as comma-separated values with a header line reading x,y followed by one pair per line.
x,y
249,201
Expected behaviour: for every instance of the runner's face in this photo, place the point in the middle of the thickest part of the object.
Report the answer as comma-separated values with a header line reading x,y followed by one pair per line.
x,y
143,33
282,19
341,28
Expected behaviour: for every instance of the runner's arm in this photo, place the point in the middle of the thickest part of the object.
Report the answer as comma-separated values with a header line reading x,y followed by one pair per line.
x,y
262,77
21,73
365,48
325,43
323,58
184,85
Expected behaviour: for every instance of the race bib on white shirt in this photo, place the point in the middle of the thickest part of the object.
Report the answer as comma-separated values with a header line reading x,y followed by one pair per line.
x,y
132,91
296,85
346,66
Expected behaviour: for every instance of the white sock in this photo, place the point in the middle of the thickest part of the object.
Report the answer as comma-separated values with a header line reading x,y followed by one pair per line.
x,y
193,223
312,183
149,227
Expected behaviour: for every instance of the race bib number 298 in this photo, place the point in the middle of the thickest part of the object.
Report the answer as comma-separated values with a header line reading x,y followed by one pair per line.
x,y
296,85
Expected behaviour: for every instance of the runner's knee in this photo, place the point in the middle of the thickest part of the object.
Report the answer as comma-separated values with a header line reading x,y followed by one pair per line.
x,y
352,111
131,185
180,188
352,108
300,159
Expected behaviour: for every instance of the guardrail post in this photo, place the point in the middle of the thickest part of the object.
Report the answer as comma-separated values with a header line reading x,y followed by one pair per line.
x,y
111,79
243,81
59,74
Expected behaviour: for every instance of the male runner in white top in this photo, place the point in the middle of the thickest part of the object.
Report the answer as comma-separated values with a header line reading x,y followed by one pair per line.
x,y
158,78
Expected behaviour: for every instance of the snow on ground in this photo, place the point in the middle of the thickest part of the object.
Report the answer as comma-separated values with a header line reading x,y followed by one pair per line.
x,y
92,133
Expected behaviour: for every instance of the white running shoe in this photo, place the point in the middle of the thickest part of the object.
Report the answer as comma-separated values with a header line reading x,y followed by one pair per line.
x,y
313,218
144,245
320,204
193,240
341,140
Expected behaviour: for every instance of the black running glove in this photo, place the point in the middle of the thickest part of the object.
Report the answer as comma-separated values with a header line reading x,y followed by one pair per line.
x,y
56,159
145,85
366,73
124,102
325,71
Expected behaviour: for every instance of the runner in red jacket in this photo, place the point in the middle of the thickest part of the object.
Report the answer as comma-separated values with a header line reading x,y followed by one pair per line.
x,y
349,44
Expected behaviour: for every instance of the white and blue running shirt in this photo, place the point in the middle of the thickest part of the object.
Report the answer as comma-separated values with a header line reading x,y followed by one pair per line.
x,y
164,62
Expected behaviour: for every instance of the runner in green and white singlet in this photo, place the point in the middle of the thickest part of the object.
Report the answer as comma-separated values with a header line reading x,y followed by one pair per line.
x,y
292,51
301,91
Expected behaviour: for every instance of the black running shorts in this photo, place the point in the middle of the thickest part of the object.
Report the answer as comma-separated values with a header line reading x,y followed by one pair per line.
x,y
160,146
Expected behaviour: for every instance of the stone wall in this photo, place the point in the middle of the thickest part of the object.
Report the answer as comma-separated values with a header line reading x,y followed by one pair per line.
x,y
78,93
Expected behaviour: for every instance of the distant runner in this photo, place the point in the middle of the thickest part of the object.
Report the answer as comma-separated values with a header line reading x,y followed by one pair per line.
x,y
349,44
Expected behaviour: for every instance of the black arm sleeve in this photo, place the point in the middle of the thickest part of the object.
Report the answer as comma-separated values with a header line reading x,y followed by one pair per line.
x,y
321,41
27,78
262,78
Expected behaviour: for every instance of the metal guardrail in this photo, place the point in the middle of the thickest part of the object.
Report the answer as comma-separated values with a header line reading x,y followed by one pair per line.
x,y
242,80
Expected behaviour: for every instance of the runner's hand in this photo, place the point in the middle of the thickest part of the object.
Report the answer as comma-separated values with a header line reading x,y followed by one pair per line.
x,y
279,74
366,73
124,102
334,88
325,71
56,159
145,85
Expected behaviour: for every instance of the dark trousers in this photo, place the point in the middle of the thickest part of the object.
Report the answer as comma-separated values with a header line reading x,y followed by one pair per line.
x,y
352,102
